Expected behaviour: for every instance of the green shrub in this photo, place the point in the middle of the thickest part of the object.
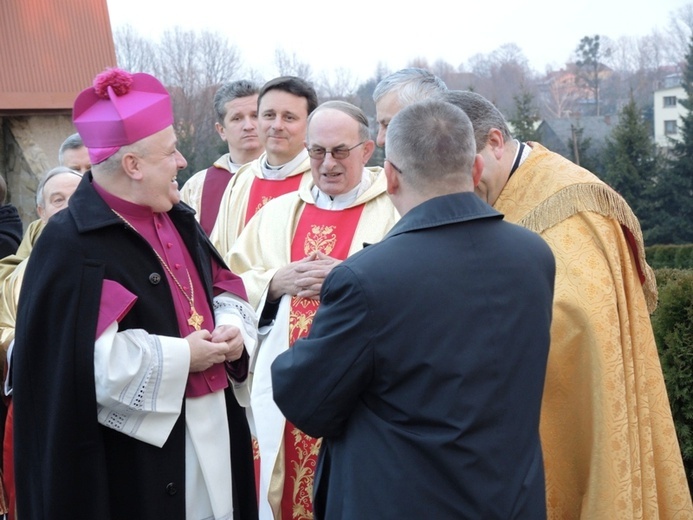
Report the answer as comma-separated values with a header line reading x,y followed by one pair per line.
x,y
670,256
672,323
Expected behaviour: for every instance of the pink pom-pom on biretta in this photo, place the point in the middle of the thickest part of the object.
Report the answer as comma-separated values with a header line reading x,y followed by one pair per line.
x,y
120,108
118,79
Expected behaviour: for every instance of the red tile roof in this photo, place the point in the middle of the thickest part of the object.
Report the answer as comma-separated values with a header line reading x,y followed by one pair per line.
x,y
51,50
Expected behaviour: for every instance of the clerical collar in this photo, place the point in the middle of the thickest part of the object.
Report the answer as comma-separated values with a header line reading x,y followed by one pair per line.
x,y
343,200
122,206
233,167
520,155
282,171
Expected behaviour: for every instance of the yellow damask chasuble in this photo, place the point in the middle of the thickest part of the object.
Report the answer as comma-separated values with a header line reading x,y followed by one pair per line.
x,y
264,190
331,233
608,438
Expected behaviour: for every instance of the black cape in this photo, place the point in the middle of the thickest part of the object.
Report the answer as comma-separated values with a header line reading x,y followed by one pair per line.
x,y
67,465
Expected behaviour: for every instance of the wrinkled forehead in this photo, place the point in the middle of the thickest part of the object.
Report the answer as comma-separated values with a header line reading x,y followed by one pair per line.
x,y
65,183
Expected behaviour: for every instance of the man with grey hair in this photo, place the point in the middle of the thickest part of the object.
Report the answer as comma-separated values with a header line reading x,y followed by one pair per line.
x,y
283,256
235,105
427,389
400,89
604,459
74,154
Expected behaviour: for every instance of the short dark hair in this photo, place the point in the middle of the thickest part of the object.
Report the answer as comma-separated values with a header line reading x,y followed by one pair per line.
x,y
293,85
230,91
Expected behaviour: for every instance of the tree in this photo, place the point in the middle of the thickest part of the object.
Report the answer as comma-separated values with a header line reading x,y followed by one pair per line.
x,y
193,65
579,146
632,164
525,118
675,191
339,84
290,65
590,54
134,53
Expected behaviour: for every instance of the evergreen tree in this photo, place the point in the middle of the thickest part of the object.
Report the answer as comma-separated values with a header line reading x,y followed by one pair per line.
x,y
675,191
631,165
525,117
579,152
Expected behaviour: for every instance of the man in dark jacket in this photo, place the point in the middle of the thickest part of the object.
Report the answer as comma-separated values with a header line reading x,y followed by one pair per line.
x,y
424,369
10,224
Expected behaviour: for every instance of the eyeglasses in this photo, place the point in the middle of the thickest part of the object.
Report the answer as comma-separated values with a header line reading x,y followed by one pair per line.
x,y
337,153
394,165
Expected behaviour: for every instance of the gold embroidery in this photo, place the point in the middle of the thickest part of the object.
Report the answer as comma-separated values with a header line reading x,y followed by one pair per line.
x,y
307,449
264,200
300,319
321,238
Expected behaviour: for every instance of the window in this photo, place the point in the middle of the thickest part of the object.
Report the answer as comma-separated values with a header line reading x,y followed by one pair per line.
x,y
669,101
670,127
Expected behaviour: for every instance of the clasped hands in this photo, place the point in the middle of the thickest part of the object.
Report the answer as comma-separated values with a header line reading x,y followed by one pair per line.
x,y
302,278
224,343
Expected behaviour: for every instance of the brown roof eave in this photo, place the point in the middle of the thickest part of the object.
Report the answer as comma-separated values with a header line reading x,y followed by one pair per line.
x,y
4,112
37,100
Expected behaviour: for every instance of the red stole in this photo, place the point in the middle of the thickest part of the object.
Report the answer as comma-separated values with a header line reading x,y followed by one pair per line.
x,y
216,180
331,233
264,190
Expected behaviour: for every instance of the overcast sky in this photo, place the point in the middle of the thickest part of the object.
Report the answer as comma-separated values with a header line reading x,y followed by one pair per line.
x,y
358,34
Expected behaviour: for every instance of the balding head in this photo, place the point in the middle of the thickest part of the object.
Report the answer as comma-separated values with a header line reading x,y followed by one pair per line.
x,y
338,128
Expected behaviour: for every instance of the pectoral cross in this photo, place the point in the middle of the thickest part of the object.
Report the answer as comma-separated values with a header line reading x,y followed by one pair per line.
x,y
195,319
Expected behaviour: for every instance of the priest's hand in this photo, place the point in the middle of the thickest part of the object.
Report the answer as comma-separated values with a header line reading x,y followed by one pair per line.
x,y
311,280
232,337
284,280
204,352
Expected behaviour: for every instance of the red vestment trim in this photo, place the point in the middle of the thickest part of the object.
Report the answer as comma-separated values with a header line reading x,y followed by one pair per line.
x,y
215,183
264,190
331,233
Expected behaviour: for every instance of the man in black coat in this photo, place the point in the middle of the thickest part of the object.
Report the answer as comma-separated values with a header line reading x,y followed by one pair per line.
x,y
130,337
424,369
10,224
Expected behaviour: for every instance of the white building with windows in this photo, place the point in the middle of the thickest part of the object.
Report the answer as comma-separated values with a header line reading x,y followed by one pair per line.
x,y
668,111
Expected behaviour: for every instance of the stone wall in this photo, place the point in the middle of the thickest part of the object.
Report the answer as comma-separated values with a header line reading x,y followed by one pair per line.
x,y
28,149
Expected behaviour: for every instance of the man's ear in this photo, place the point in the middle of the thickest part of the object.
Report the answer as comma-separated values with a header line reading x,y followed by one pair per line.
x,y
392,177
496,143
131,166
368,149
477,169
220,130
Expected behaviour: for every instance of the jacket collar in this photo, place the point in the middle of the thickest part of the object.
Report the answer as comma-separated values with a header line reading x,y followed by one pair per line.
x,y
91,212
443,210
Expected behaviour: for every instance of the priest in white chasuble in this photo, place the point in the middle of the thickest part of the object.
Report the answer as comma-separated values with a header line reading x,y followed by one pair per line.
x,y
284,105
283,255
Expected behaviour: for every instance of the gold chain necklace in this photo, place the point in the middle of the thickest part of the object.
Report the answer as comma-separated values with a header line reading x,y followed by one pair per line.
x,y
196,319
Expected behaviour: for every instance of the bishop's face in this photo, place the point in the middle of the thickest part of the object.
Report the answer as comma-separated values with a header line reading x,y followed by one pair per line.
x,y
158,167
